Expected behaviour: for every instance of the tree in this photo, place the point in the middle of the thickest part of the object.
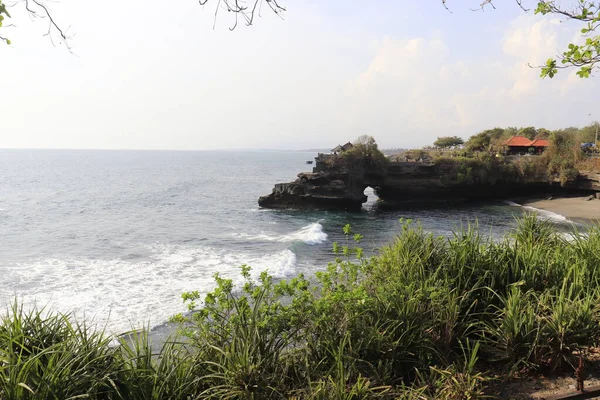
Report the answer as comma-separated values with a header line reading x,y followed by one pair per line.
x,y
37,9
363,156
3,13
366,150
246,10
587,134
446,142
528,132
585,56
478,142
542,133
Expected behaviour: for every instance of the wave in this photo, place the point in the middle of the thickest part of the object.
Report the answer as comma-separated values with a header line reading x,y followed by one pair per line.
x,y
512,203
310,234
124,294
544,214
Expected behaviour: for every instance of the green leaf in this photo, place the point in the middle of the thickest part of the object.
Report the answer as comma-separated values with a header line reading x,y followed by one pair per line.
x,y
347,229
21,384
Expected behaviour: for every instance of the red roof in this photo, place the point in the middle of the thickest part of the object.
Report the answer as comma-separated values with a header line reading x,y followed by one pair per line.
x,y
522,141
540,143
518,141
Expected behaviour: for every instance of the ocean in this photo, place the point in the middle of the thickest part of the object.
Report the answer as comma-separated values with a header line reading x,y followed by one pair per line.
x,y
116,236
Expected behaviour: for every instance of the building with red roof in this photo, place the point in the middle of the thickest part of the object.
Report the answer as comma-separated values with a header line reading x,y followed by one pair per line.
x,y
522,145
542,143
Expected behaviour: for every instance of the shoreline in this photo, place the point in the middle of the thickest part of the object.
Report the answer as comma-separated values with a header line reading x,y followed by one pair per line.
x,y
578,208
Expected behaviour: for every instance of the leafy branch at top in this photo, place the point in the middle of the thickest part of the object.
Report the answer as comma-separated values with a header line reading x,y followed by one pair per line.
x,y
3,12
247,10
585,56
37,9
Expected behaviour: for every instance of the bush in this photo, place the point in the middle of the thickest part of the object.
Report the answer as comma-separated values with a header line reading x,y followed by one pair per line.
x,y
483,169
364,156
424,319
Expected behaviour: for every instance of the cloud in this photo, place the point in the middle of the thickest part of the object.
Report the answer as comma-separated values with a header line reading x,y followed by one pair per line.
x,y
315,79
416,89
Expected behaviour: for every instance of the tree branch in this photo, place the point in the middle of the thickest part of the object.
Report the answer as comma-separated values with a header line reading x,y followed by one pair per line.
x,y
245,8
38,9
486,3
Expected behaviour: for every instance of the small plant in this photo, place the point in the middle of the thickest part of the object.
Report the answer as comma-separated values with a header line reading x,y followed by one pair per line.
x,y
420,320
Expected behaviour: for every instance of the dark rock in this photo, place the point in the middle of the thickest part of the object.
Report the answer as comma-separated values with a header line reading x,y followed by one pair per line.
x,y
317,190
404,184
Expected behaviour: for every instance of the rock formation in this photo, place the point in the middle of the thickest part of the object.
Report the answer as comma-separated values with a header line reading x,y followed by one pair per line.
x,y
317,190
405,184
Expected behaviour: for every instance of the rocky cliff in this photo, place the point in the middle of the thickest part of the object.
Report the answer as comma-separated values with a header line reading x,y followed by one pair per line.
x,y
338,191
408,184
588,181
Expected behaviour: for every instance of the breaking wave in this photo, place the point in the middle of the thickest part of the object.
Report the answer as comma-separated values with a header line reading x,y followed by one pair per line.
x,y
310,234
124,294
544,214
547,214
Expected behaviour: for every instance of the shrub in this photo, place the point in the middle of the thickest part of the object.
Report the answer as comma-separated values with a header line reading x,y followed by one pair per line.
x,y
364,156
481,170
424,319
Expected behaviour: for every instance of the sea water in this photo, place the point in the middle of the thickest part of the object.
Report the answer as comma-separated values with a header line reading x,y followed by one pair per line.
x,y
117,236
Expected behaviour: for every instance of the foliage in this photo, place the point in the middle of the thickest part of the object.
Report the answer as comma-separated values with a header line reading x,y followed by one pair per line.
x,y
529,132
446,142
44,355
560,162
479,142
364,156
37,9
483,169
47,357
563,156
428,311
542,133
424,319
586,56
413,156
3,13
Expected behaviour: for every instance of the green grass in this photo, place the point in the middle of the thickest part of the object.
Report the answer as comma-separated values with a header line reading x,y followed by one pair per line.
x,y
427,318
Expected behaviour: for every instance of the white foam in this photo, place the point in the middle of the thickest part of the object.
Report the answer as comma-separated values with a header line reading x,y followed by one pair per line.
x,y
544,214
547,214
310,234
125,294
280,265
512,203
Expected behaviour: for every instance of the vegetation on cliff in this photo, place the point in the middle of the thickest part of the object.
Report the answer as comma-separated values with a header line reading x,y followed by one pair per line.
x,y
428,318
364,156
448,142
481,169
482,160
490,140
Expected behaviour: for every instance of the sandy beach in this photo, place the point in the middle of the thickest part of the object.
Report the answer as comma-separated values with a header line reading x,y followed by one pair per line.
x,y
570,207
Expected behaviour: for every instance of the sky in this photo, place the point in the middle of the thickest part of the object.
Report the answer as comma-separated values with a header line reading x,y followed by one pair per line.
x,y
145,74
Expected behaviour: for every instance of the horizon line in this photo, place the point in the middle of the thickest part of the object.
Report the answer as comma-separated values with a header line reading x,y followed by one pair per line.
x,y
145,149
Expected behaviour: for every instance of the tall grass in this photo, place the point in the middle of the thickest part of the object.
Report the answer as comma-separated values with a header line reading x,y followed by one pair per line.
x,y
424,319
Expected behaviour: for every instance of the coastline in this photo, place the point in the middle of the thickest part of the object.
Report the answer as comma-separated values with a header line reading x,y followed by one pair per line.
x,y
579,208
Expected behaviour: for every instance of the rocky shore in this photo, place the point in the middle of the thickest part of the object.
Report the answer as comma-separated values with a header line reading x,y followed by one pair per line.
x,y
406,184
